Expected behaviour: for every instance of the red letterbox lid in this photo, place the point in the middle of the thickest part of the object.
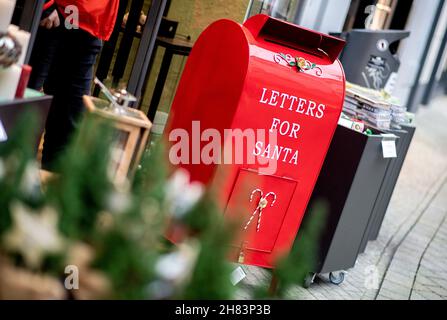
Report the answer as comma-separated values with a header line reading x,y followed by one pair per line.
x,y
294,36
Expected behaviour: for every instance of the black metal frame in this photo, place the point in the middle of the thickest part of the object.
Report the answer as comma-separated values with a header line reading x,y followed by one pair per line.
x,y
127,40
29,21
170,50
146,48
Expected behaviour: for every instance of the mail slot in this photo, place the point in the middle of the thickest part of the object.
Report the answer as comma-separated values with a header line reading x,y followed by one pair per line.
x,y
281,88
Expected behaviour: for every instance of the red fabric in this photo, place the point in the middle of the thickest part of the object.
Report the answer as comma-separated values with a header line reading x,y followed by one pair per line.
x,y
95,16
48,4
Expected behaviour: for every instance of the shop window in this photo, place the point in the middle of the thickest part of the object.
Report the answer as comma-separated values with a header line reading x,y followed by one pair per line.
x,y
288,10
378,14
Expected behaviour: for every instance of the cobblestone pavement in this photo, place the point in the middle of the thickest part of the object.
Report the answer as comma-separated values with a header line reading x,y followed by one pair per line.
x,y
409,258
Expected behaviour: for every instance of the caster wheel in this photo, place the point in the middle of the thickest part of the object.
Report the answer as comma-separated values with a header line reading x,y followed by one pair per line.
x,y
337,279
309,280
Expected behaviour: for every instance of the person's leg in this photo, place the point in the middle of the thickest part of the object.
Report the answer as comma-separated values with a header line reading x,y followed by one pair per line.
x,y
42,56
69,79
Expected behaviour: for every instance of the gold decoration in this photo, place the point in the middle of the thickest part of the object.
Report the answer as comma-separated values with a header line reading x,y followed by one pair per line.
x,y
263,203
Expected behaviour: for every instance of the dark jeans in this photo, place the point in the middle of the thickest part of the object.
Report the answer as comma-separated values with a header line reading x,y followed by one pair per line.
x,y
63,61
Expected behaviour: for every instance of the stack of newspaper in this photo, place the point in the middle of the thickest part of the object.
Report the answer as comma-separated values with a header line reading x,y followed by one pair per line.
x,y
351,106
399,114
371,107
374,108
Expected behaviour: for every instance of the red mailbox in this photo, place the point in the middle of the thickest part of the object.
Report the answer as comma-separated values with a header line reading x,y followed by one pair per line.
x,y
285,84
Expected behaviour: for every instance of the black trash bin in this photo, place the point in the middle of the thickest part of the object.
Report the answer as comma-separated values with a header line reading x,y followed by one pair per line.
x,y
368,58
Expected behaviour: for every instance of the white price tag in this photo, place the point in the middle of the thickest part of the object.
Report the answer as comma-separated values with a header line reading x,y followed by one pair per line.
x,y
3,135
237,275
389,148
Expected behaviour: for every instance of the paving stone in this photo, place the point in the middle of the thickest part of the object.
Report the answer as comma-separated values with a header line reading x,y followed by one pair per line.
x,y
403,291
400,280
415,295
386,294
436,289
426,295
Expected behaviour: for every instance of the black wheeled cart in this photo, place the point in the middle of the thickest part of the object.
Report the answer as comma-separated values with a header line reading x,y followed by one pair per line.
x,y
349,182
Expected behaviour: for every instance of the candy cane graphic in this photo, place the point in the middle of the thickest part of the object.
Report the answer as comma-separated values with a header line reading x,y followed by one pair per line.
x,y
262,204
